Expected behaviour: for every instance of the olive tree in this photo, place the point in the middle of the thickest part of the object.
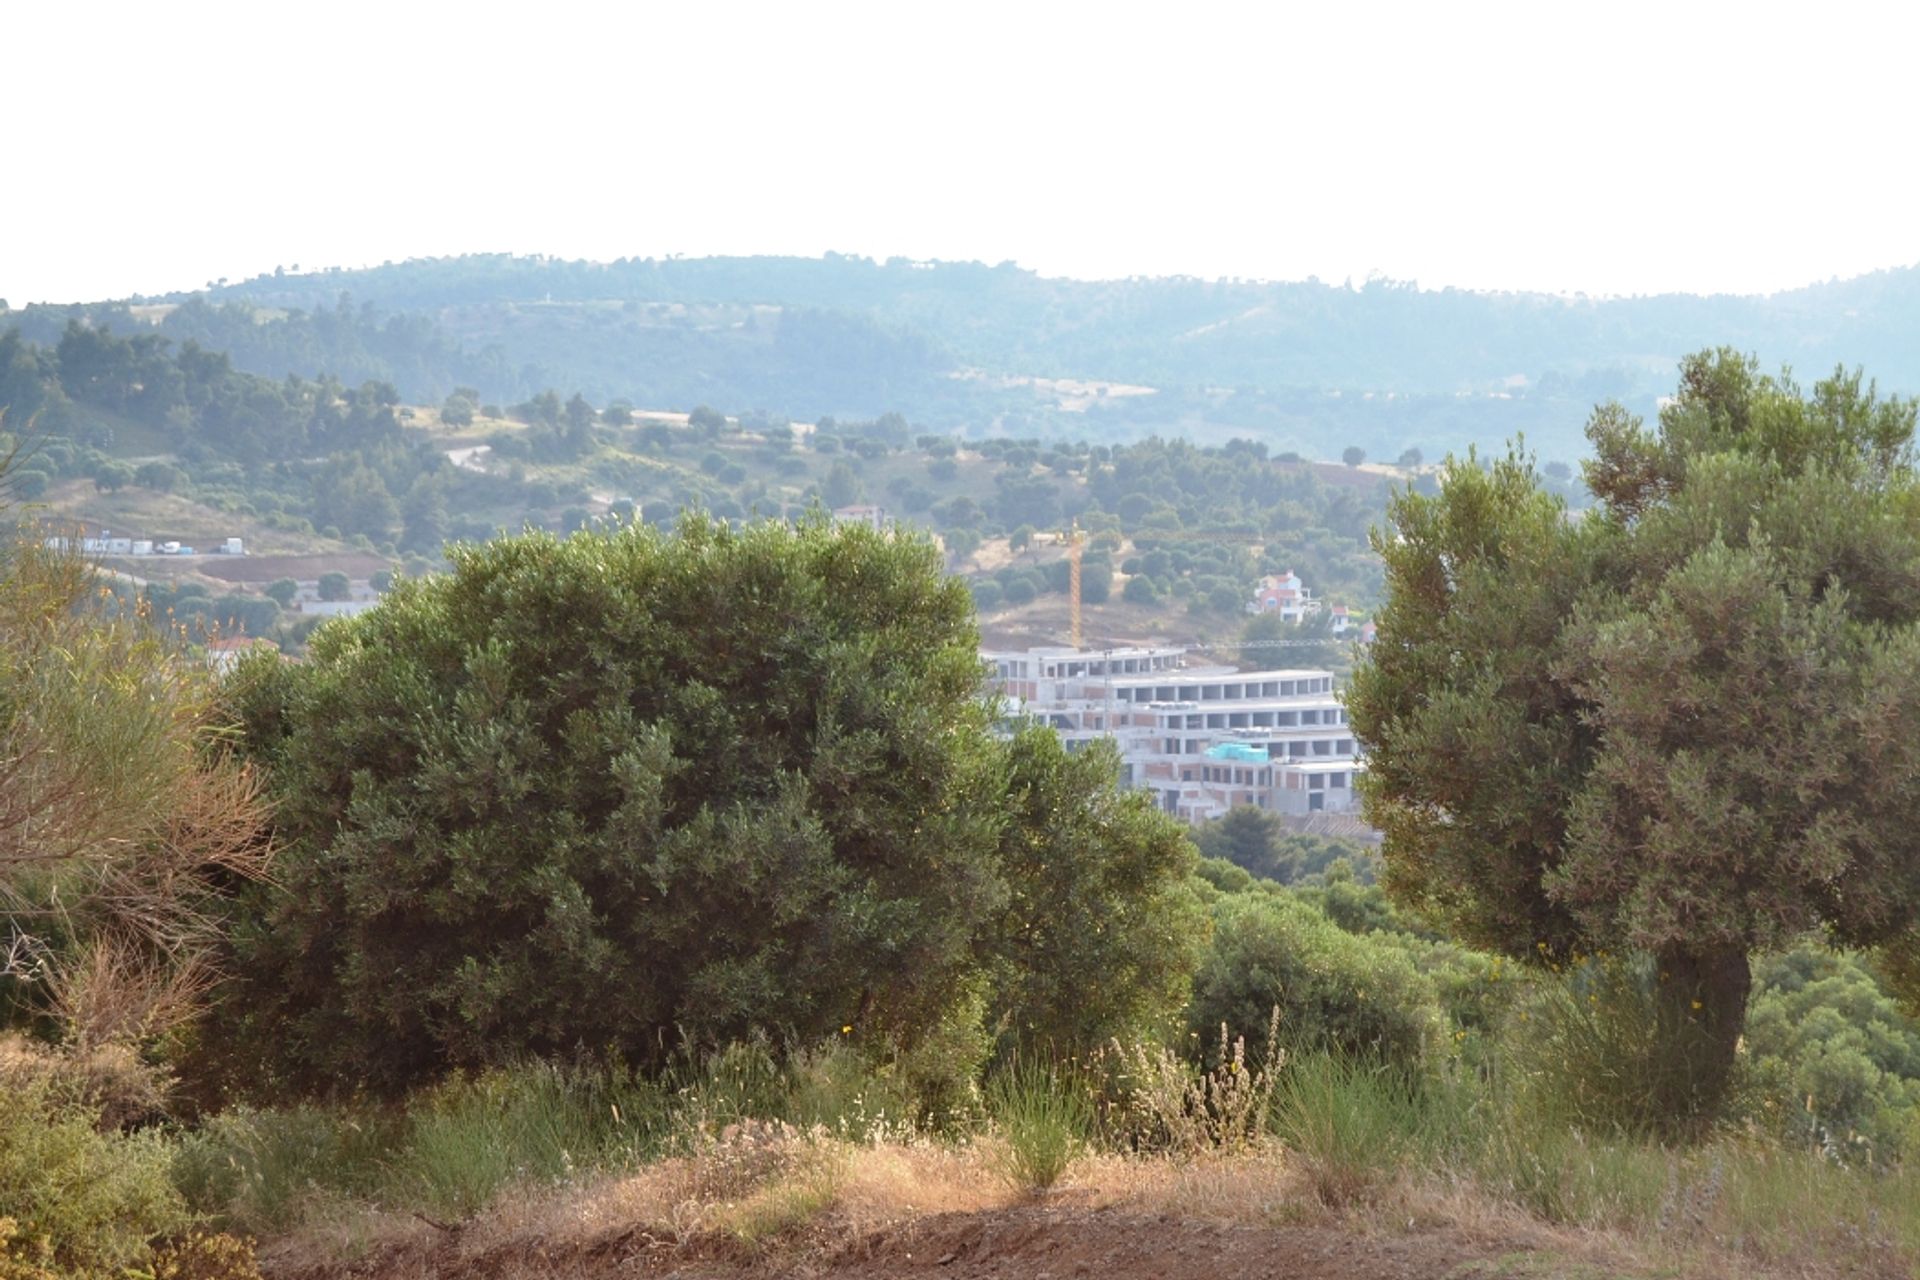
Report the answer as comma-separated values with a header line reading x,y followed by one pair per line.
x,y
1100,930
1686,722
605,792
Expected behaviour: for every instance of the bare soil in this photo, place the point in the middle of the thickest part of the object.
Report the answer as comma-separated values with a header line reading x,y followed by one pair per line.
x,y
1045,1242
355,564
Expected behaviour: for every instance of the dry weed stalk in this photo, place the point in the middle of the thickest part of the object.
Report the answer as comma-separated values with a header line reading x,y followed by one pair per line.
x,y
1168,1106
125,817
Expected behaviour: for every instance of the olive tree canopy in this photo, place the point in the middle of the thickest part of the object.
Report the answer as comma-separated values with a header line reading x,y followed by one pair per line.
x,y
1686,722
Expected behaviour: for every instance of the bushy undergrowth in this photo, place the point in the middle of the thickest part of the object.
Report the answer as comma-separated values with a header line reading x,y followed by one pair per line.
x,y
1335,990
447,1153
77,1201
1390,1064
756,1142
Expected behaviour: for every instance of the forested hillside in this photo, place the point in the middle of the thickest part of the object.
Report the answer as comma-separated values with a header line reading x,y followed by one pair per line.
x,y
1308,367
158,440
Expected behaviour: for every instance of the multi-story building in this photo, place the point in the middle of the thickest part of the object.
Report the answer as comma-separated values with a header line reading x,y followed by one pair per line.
x,y
1203,739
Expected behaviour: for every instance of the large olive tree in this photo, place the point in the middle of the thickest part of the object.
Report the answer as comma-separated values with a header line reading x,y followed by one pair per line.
x,y
630,789
1685,722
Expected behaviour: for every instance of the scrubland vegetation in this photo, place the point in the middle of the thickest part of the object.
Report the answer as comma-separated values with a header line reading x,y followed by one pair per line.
x,y
678,885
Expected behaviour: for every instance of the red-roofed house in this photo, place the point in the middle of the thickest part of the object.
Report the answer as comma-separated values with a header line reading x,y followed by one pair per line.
x,y
1283,593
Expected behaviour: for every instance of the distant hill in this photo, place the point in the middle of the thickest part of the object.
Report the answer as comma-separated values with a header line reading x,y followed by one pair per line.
x,y
984,349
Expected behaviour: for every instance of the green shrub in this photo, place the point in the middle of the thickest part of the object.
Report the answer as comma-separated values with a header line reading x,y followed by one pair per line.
x,y
1335,990
1832,1060
200,1256
1101,931
80,1202
599,791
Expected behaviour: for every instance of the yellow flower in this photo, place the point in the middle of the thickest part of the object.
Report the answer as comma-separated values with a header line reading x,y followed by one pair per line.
x,y
1696,1004
847,1030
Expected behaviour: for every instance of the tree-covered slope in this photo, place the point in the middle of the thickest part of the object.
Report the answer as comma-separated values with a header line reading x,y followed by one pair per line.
x,y
1306,366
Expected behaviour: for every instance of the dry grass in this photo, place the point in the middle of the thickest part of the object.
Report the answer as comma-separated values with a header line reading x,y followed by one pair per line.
x,y
760,1192
750,1190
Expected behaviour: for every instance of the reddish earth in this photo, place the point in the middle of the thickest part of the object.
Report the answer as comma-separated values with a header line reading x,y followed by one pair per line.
x,y
1039,1243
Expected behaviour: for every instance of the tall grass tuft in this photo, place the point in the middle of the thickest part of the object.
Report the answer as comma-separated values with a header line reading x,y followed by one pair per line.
x,y
1581,1050
470,1138
451,1150
1044,1120
268,1171
1353,1123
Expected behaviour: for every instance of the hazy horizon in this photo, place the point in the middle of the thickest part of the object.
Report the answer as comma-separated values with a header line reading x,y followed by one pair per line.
x,y
306,269
1497,147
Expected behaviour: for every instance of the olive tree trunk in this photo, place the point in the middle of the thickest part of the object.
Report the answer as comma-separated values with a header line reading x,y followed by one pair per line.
x,y
1701,1010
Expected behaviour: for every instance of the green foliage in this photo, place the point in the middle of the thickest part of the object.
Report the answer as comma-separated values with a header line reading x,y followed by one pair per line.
x,y
200,1256
1044,1120
449,1151
1683,725
1833,1061
600,792
468,1139
335,586
1335,990
109,477
1256,840
1581,1048
264,1172
282,592
457,411
80,1202
158,476
841,487
1100,933
1352,1122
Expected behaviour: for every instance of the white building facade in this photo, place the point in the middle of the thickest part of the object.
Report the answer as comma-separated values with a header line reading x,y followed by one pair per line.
x,y
1202,739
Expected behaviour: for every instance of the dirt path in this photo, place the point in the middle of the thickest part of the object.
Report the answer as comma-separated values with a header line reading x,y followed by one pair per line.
x,y
1059,1244
1037,1243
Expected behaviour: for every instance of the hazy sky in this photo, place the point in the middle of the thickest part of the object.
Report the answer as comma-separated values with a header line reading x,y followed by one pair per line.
x,y
1605,148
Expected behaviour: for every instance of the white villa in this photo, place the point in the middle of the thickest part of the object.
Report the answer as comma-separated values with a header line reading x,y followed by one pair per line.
x,y
1283,593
